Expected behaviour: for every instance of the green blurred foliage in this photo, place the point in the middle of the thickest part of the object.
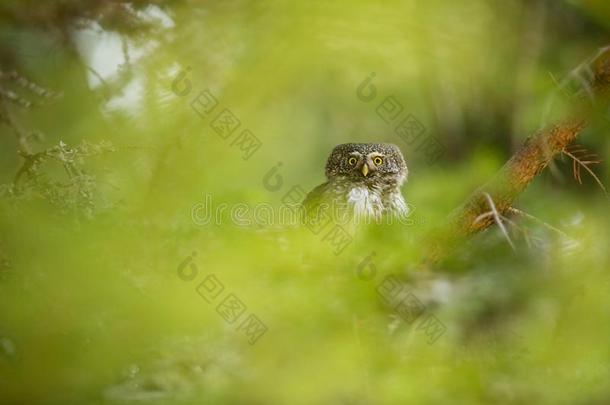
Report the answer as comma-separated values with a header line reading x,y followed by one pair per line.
x,y
92,308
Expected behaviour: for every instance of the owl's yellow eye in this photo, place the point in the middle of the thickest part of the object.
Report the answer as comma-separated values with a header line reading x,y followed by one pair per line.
x,y
352,161
378,161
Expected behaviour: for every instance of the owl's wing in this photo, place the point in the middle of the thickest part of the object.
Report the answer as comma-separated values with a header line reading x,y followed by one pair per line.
x,y
313,200
315,196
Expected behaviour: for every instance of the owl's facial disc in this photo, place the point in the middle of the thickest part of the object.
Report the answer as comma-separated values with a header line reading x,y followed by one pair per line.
x,y
369,163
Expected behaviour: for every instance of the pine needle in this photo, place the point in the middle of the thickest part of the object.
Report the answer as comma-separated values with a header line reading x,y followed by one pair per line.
x,y
497,218
582,159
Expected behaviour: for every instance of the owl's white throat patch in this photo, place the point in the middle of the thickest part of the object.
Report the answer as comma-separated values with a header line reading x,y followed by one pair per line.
x,y
365,202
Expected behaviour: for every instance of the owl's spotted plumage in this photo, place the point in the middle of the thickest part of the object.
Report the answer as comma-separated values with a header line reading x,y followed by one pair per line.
x,y
364,181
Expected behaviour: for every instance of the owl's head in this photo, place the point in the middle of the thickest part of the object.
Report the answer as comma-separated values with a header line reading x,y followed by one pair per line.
x,y
367,163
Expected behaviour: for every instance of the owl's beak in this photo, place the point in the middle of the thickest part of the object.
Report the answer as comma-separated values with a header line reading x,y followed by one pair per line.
x,y
365,169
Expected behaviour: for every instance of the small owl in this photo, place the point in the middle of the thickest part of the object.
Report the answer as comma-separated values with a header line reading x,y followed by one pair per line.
x,y
364,181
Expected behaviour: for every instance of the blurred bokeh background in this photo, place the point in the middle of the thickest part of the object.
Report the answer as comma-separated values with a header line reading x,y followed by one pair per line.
x,y
116,199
